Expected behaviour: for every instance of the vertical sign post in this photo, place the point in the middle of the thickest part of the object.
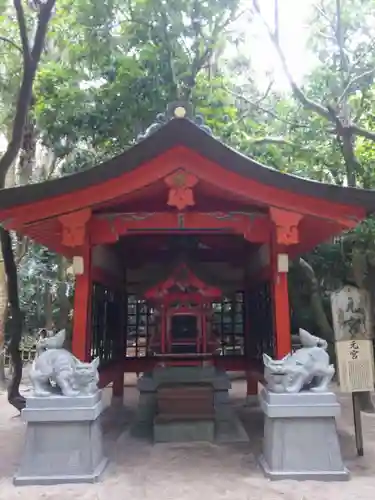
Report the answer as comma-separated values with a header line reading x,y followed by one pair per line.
x,y
352,323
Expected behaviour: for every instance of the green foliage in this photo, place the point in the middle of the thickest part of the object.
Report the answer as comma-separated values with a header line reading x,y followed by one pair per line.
x,y
109,67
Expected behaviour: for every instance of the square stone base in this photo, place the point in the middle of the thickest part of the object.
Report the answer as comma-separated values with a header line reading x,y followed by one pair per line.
x,y
303,476
46,480
300,437
63,442
184,431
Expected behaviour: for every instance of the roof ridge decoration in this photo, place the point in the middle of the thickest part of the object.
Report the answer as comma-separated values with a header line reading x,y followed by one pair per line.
x,y
176,111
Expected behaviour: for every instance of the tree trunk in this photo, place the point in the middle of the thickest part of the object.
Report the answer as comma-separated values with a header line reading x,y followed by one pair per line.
x,y
3,318
48,319
26,160
316,304
31,57
15,321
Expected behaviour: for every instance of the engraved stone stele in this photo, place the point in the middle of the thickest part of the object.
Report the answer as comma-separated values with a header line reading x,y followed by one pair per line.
x,y
300,435
63,442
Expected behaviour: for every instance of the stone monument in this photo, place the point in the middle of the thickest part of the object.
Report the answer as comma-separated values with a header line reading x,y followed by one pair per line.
x,y
63,433
300,435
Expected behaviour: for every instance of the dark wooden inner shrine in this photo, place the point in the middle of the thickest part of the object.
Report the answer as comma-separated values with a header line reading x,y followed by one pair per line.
x,y
181,248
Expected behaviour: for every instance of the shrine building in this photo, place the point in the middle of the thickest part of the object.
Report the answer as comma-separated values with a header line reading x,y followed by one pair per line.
x,y
181,248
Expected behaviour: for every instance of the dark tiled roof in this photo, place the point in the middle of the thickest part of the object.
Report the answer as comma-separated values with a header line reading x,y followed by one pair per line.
x,y
184,132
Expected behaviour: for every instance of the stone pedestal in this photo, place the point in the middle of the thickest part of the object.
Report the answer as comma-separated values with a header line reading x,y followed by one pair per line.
x,y
184,431
148,386
300,436
63,441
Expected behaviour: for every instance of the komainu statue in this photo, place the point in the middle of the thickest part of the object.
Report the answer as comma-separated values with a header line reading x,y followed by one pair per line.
x,y
308,368
56,371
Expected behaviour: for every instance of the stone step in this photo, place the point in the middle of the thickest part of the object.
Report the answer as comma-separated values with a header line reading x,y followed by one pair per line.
x,y
184,431
184,375
188,417
184,399
198,390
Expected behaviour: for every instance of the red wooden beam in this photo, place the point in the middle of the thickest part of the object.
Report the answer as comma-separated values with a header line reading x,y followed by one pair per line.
x,y
170,298
235,259
182,276
218,244
107,228
247,189
106,278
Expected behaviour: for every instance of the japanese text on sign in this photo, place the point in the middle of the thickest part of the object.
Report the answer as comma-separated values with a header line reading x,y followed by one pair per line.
x,y
354,349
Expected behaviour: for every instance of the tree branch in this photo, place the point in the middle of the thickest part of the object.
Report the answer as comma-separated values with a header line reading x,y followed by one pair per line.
x,y
276,20
23,31
258,106
354,80
361,107
297,92
367,134
266,93
280,141
132,18
44,16
169,50
340,39
200,60
53,168
325,112
23,246
13,44
27,82
323,14
355,62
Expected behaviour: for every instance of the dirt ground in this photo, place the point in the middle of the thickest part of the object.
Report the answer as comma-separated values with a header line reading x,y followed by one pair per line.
x,y
141,471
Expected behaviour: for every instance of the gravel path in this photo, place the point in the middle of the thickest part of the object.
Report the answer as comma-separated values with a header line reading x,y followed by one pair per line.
x,y
140,471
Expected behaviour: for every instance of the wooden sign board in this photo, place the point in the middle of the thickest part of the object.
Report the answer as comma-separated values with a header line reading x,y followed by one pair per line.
x,y
355,365
352,323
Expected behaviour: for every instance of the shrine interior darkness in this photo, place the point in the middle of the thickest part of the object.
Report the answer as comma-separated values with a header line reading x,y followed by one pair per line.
x,y
123,321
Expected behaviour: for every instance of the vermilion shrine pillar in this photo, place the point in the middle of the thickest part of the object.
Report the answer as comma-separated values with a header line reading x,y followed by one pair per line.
x,y
74,234
284,235
82,310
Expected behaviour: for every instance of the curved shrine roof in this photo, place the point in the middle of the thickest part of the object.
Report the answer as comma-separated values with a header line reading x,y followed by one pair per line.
x,y
184,132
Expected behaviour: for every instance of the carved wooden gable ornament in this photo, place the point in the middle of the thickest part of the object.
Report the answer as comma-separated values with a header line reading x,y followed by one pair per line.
x,y
74,227
181,184
286,225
